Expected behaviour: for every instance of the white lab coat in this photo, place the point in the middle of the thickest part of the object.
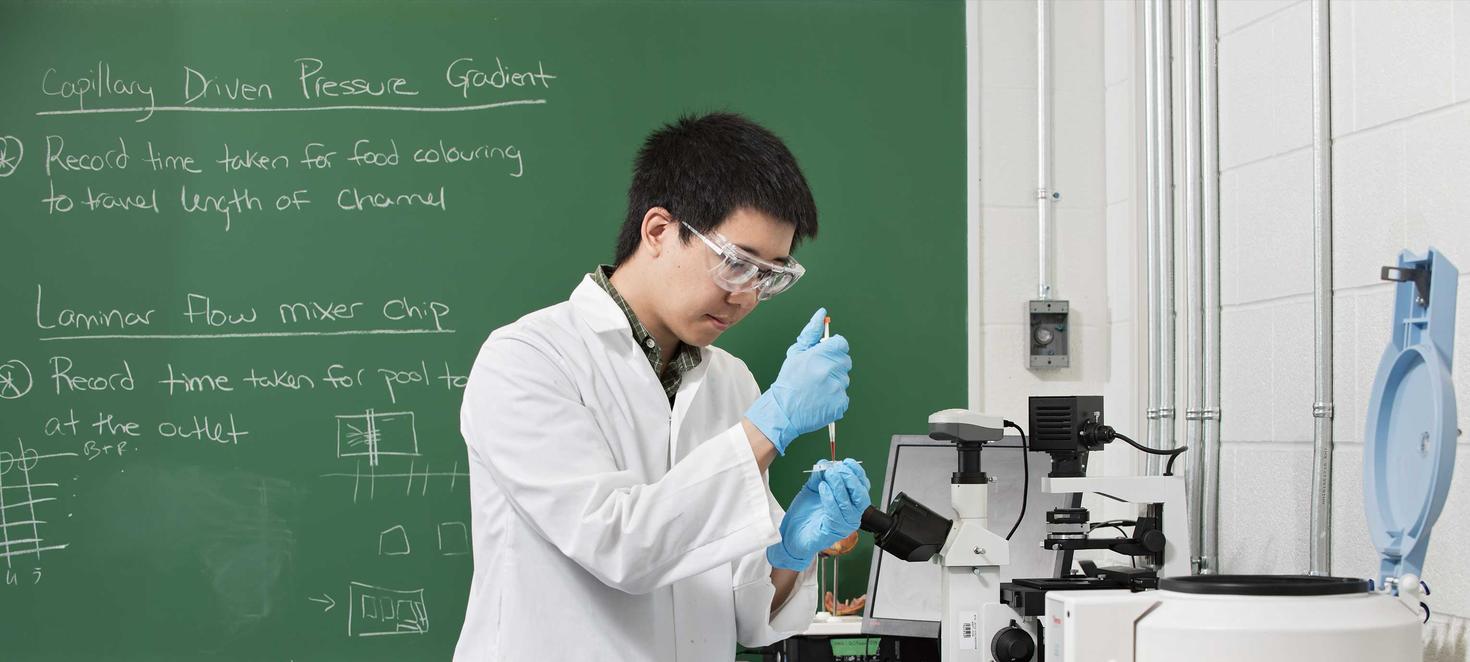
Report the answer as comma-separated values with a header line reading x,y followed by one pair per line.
x,y
607,527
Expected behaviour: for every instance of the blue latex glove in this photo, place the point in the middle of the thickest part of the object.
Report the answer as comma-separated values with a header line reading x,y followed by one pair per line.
x,y
827,509
810,391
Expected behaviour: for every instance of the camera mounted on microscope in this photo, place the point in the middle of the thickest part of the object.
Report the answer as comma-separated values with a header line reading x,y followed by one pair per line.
x,y
1067,429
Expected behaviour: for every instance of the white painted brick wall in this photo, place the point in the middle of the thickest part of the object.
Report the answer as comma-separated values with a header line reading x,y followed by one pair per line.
x,y
1292,371
1007,142
1265,85
1401,172
1343,108
1094,68
1246,80
1119,145
1008,271
1245,384
1401,79
1368,203
1233,16
1262,510
1008,43
1121,243
1008,202
1348,394
1402,179
1437,179
1267,206
1291,92
1403,58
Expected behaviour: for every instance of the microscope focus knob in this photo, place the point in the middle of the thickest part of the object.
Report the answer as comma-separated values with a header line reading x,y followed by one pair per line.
x,y
1012,644
1153,541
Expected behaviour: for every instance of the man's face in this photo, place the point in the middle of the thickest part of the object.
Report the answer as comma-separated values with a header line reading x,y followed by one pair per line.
x,y
696,309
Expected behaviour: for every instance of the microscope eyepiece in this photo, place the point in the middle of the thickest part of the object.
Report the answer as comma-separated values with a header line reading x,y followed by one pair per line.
x,y
909,530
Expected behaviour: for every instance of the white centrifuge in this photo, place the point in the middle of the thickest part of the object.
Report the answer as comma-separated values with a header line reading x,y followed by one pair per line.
x,y
1408,460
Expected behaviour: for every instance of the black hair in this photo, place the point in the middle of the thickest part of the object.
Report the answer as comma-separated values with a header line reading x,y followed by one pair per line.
x,y
704,168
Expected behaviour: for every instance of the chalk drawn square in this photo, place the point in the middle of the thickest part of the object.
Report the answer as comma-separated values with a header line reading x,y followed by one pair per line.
x,y
454,539
393,541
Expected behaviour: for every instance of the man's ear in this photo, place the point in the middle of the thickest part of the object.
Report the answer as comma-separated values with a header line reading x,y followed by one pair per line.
x,y
659,229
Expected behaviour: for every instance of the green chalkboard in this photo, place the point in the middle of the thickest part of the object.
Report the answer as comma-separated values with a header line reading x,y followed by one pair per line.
x,y
231,361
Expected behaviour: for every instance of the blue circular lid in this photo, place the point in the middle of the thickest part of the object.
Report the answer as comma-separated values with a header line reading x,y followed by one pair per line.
x,y
1409,454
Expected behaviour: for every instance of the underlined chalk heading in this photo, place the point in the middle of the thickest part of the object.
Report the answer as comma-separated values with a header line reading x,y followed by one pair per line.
x,y
102,90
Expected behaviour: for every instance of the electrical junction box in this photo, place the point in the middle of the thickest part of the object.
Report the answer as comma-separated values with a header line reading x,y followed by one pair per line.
x,y
1049,332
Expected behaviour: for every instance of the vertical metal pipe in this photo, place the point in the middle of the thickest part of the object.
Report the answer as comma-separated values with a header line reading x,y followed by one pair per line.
x,y
1193,276
1209,452
1319,548
1151,211
1043,150
1165,119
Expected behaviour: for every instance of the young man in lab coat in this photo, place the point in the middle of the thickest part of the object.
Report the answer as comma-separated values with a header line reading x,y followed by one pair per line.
x,y
621,509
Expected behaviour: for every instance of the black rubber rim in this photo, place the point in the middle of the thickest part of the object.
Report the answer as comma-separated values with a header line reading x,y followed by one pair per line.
x,y
1291,585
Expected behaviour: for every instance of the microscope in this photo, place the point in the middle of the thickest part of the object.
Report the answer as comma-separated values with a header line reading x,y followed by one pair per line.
x,y
986,620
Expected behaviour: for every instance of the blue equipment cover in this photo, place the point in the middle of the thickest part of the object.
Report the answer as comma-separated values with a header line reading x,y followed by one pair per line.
x,y
1409,454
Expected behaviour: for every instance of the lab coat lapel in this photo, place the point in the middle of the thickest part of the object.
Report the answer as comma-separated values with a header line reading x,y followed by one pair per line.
x,y
683,401
608,322
597,310
643,395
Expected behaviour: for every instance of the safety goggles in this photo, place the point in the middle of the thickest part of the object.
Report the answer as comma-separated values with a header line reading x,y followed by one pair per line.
x,y
739,271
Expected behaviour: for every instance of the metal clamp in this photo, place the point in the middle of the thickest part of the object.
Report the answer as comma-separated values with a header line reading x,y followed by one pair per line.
x,y
1202,414
1166,412
1419,277
1152,414
1322,410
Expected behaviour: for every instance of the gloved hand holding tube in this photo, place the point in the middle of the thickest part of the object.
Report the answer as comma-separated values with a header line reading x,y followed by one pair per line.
x,y
827,509
809,392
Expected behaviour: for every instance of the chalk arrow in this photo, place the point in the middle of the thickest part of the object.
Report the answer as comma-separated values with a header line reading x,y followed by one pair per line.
x,y
326,600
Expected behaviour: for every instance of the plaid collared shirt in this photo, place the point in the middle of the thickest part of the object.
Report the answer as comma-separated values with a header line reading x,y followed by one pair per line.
x,y
685,358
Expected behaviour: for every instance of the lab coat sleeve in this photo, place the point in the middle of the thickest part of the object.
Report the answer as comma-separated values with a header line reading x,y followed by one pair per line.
x,y
755,623
524,420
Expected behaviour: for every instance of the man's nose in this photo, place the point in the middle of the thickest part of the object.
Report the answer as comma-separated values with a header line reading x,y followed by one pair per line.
x,y
745,299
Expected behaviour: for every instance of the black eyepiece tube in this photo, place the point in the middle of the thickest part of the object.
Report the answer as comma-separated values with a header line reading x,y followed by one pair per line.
x,y
876,521
909,530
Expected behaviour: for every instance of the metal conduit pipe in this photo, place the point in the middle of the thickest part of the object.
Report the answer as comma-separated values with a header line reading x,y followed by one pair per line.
x,y
1166,247
1209,451
1043,151
1319,547
1151,215
1193,278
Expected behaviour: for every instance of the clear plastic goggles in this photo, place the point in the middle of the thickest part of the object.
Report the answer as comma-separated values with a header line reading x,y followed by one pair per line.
x,y
739,271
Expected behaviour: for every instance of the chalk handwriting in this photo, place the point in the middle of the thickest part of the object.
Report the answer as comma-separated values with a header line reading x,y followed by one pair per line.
x,y
462,76
315,85
199,86
97,84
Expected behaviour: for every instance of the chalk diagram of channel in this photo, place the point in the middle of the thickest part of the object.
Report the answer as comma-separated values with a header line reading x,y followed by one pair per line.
x,y
18,498
373,434
375,611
